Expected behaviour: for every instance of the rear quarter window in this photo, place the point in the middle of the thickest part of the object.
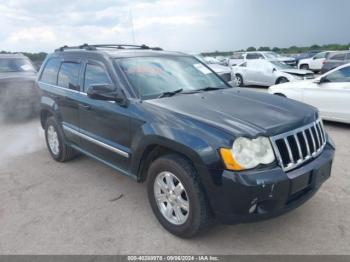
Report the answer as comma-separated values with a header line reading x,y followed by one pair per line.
x,y
50,71
337,57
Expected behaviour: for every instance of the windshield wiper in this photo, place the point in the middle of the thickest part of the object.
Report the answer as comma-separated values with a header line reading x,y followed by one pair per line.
x,y
208,88
170,93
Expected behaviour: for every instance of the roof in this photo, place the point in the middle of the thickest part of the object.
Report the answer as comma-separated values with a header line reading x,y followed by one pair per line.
x,y
117,50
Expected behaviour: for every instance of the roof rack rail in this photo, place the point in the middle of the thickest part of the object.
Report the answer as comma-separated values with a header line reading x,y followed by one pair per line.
x,y
115,46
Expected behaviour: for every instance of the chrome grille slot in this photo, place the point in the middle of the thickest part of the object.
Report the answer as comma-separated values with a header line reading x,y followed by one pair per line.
x,y
297,146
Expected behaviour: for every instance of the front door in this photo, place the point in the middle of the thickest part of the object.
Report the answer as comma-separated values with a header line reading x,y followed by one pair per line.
x,y
104,125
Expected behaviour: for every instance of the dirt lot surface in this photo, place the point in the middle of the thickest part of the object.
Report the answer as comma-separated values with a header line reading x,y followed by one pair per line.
x,y
84,207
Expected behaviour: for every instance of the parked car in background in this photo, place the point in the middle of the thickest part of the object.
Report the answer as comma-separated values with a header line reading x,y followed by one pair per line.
x,y
224,72
305,55
334,60
19,96
222,60
239,57
207,152
266,73
330,93
315,62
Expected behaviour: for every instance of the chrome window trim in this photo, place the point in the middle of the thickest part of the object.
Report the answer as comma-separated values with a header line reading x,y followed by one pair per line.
x,y
97,142
284,136
63,88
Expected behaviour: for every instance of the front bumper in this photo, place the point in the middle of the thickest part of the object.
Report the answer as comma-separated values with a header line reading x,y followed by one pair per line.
x,y
261,194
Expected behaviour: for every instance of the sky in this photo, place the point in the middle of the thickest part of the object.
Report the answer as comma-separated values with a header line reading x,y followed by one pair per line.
x,y
183,25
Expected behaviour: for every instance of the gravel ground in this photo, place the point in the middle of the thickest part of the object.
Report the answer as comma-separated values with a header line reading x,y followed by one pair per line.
x,y
84,207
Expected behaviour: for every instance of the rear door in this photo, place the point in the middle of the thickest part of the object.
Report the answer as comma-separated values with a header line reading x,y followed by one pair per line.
x,y
104,125
332,97
255,72
60,79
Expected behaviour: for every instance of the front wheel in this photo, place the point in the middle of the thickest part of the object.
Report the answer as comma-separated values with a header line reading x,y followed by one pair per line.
x,y
304,67
239,80
176,196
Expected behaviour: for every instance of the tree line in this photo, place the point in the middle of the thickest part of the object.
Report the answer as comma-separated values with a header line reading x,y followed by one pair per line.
x,y
288,50
35,57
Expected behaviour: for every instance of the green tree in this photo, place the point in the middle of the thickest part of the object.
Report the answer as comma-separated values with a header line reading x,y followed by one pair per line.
x,y
264,48
251,48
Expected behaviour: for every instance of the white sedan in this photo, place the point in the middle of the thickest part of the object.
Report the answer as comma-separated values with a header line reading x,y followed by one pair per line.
x,y
266,73
330,93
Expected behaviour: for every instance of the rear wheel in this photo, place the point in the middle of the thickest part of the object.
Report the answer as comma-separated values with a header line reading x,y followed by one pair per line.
x,y
56,143
176,196
281,80
239,80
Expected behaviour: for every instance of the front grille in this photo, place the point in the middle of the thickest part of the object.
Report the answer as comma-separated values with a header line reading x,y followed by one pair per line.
x,y
294,148
226,77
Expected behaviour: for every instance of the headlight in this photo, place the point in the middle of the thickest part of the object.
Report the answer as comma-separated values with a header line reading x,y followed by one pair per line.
x,y
248,153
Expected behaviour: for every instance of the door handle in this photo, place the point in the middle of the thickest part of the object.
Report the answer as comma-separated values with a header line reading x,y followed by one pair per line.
x,y
84,106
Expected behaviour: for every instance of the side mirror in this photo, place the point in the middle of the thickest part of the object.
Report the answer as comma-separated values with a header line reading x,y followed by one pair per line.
x,y
106,92
274,70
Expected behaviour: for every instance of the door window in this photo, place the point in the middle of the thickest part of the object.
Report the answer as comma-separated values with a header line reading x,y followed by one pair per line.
x,y
341,75
255,56
320,55
68,76
49,74
338,57
95,74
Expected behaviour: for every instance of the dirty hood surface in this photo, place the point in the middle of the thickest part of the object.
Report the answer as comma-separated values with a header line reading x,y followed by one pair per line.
x,y
240,112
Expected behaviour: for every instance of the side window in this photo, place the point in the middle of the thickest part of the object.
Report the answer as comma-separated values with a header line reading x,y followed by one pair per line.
x,y
348,56
259,56
68,76
338,57
341,75
49,74
251,56
320,55
95,74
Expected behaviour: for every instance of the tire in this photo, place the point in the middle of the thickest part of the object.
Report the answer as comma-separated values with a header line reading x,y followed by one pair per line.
x,y
281,80
57,146
304,66
239,80
179,170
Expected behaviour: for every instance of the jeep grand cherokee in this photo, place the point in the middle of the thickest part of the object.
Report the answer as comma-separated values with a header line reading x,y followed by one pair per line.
x,y
208,151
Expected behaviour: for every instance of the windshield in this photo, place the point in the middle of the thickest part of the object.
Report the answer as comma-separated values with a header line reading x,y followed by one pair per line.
x,y
280,65
153,76
272,55
8,65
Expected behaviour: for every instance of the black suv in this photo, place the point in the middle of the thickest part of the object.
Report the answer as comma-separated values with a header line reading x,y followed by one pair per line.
x,y
208,151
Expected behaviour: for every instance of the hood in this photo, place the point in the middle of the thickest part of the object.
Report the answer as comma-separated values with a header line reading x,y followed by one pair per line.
x,y
240,112
219,69
297,71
